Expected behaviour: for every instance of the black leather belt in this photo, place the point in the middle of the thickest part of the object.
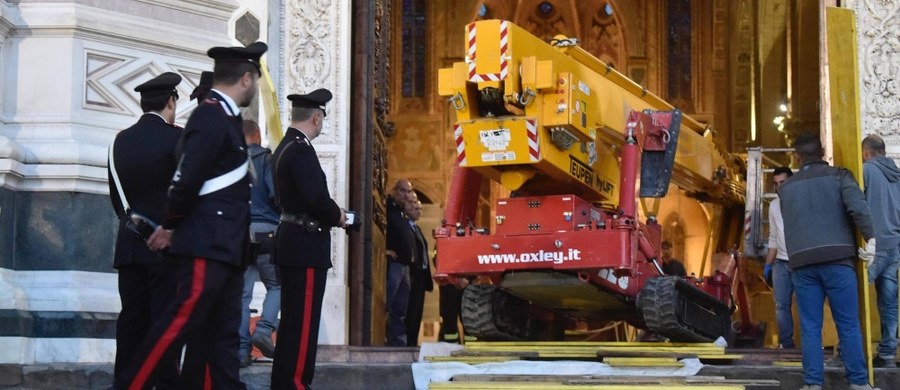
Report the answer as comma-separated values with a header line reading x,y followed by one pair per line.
x,y
310,224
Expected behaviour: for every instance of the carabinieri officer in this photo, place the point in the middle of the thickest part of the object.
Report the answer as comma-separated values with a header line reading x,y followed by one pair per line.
x,y
302,242
207,221
141,162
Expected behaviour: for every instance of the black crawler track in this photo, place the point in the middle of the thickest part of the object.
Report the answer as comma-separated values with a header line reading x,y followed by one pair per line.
x,y
674,308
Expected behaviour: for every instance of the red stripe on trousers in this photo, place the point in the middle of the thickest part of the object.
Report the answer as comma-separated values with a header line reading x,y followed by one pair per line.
x,y
207,379
174,328
304,332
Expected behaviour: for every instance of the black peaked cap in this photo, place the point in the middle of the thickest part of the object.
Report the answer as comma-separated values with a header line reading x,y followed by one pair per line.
x,y
238,54
163,84
314,99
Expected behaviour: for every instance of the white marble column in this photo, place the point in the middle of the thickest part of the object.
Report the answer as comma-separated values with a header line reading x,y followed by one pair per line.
x,y
315,53
878,25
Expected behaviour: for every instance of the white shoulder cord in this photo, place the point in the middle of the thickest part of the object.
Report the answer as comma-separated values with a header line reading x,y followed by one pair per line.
x,y
115,175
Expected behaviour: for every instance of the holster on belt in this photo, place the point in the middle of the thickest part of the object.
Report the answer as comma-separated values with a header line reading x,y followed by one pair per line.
x,y
263,242
310,224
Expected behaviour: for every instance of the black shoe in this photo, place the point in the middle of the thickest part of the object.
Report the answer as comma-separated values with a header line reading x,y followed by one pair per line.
x,y
246,361
264,343
880,362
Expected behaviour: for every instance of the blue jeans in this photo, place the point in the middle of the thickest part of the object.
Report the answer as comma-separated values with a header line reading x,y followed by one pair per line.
x,y
397,302
784,294
837,282
884,273
262,268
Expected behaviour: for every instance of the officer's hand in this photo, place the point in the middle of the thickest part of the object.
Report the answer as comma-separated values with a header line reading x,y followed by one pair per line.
x,y
868,253
767,272
343,221
160,239
391,254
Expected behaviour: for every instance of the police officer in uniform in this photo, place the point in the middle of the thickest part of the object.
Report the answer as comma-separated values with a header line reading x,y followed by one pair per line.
x,y
142,163
207,224
302,242
203,87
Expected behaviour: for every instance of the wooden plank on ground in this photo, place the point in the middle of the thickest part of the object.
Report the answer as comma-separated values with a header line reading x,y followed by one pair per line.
x,y
642,362
550,386
676,355
479,344
787,363
729,356
471,359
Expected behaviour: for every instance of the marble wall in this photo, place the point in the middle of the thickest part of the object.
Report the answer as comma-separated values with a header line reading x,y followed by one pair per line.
x,y
67,71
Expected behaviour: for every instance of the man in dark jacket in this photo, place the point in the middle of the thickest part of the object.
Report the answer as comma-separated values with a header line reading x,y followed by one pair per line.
x,y
303,241
400,253
671,266
882,182
142,160
820,207
420,280
263,221
206,223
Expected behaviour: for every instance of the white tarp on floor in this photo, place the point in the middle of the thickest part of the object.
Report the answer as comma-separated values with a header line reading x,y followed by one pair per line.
x,y
425,373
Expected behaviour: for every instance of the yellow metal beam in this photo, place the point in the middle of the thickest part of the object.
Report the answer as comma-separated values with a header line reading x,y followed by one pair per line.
x,y
846,134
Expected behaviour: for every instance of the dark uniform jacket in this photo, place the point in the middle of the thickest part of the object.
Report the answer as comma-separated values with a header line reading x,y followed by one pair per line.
x,y
145,160
214,226
400,238
301,189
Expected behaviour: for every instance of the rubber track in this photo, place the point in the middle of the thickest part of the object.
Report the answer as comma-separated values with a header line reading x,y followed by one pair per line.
x,y
478,313
660,302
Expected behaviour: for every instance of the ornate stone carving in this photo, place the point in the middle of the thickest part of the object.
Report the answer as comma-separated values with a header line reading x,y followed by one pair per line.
x,y
878,25
383,128
309,59
310,52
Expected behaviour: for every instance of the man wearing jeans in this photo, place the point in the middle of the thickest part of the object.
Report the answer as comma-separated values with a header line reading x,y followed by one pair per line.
x,y
820,206
263,221
777,265
882,182
400,253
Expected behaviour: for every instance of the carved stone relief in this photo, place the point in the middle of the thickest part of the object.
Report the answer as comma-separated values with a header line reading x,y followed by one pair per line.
x,y
311,60
878,25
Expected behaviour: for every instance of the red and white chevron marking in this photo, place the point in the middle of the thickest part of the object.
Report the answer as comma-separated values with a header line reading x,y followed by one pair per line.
x,y
460,145
504,47
534,151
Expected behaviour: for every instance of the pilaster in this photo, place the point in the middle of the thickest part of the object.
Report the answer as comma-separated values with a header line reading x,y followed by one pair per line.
x,y
315,43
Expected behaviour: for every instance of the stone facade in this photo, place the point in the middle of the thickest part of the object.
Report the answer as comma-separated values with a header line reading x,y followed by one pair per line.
x,y
878,29
68,70
315,53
